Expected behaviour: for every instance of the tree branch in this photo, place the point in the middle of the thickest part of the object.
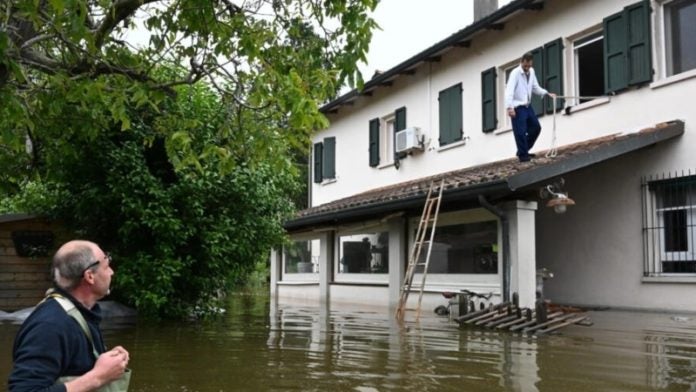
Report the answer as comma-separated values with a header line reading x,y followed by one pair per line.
x,y
120,10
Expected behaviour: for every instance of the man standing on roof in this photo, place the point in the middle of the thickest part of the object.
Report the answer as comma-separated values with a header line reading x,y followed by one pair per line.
x,y
521,83
59,347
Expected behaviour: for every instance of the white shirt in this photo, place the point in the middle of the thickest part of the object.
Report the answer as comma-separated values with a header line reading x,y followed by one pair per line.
x,y
519,88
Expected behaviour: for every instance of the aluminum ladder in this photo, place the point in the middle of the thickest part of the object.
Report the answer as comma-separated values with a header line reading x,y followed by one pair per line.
x,y
429,216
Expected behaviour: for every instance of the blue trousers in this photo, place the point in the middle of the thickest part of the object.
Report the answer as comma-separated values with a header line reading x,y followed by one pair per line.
x,y
526,128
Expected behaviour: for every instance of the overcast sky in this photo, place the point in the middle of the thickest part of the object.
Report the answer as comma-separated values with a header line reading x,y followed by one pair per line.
x,y
411,26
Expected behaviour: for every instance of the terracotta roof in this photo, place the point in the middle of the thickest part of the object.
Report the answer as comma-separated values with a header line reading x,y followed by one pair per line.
x,y
507,175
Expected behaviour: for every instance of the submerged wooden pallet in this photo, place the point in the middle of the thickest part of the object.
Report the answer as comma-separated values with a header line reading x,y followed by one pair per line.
x,y
509,316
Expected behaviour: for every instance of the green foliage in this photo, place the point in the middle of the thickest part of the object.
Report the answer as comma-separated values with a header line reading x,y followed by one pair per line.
x,y
181,237
177,154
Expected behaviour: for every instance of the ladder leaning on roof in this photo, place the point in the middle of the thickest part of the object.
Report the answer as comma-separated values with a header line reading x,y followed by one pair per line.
x,y
430,213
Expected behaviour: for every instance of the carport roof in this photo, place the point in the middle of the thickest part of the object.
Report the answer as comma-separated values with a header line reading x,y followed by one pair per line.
x,y
495,178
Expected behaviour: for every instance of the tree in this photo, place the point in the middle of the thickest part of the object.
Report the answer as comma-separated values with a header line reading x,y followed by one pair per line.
x,y
176,155
273,56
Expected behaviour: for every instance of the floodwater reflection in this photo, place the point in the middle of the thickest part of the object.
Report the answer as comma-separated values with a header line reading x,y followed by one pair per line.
x,y
264,345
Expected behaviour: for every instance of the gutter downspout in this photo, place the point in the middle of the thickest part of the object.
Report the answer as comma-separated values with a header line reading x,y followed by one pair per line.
x,y
506,243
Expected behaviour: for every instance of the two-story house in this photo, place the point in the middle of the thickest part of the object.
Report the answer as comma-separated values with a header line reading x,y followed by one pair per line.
x,y
625,153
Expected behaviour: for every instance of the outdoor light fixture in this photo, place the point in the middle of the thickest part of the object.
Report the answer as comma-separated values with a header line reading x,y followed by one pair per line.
x,y
558,199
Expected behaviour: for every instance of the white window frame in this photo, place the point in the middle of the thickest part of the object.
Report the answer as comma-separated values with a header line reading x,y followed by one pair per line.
x,y
300,276
346,277
598,34
662,48
690,253
386,140
506,123
486,282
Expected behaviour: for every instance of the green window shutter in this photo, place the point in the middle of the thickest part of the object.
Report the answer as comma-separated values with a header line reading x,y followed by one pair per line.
x,y
538,64
374,142
450,114
553,72
329,168
639,51
488,102
400,119
318,158
615,56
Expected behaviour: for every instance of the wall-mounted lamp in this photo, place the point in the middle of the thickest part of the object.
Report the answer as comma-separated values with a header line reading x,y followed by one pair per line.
x,y
559,200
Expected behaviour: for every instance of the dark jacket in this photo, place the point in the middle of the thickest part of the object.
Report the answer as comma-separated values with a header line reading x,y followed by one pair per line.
x,y
50,344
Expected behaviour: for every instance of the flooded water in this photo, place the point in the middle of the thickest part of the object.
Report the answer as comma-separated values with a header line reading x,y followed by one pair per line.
x,y
265,346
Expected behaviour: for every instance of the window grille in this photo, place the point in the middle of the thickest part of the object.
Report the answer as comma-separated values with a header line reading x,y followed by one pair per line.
x,y
669,224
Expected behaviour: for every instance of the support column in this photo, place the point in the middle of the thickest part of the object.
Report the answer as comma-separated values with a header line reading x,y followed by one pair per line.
x,y
276,263
326,257
521,215
397,257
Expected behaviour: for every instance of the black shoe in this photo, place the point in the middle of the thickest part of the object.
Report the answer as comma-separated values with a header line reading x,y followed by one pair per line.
x,y
525,159
532,155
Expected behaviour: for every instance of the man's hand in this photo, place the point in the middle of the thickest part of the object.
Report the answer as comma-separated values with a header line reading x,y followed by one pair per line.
x,y
109,366
552,95
511,112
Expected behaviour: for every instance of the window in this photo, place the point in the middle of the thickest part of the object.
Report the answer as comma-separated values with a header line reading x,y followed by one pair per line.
x,y
363,253
680,36
588,58
383,135
464,248
301,257
325,160
670,225
627,48
450,103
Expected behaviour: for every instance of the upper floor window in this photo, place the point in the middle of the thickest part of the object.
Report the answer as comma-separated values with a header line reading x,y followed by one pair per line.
x,y
670,225
451,116
382,134
325,160
588,60
680,36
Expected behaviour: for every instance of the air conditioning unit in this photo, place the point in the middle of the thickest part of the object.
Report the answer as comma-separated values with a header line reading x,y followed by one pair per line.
x,y
408,140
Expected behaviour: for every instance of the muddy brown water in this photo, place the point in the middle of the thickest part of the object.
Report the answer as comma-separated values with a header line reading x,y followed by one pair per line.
x,y
261,345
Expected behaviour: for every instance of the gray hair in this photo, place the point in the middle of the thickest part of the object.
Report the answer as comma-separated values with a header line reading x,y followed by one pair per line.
x,y
70,264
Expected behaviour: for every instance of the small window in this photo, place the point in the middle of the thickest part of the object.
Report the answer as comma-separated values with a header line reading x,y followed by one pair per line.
x,y
451,121
588,58
670,225
680,36
387,137
383,136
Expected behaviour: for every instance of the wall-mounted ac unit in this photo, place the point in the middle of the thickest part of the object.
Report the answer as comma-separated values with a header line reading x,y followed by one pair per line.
x,y
408,140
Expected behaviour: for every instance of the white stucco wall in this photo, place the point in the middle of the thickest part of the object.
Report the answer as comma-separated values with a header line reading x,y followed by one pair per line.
x,y
628,111
595,250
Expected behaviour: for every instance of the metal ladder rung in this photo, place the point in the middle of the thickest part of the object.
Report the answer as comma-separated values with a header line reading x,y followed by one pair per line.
x,y
433,199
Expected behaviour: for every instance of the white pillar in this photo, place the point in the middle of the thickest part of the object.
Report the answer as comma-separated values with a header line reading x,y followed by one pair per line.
x,y
276,263
521,216
325,264
397,257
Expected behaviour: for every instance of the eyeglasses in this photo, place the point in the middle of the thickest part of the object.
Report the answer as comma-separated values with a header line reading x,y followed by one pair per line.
x,y
107,256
